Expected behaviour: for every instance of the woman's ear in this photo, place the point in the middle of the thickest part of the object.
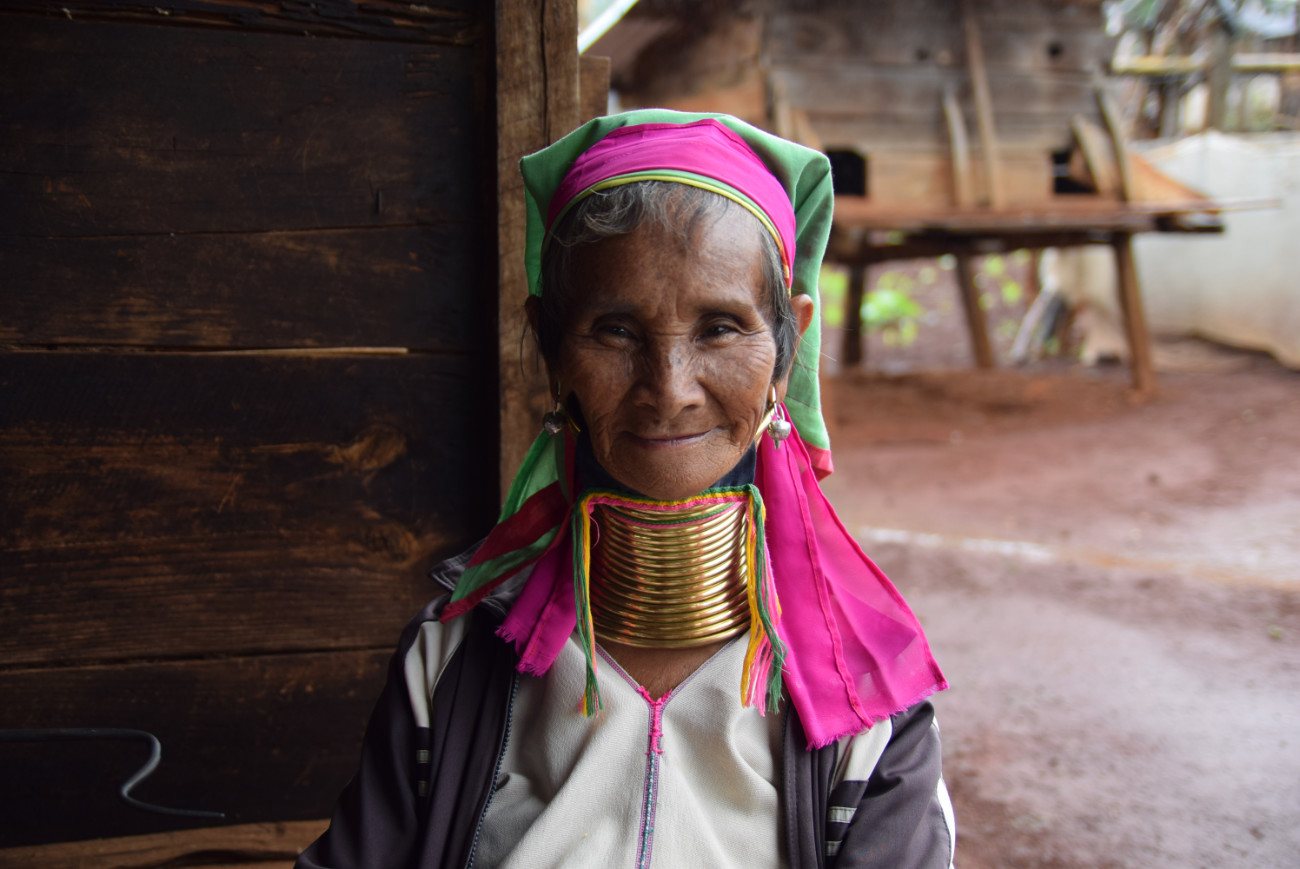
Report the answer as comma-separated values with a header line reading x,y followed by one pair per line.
x,y
803,308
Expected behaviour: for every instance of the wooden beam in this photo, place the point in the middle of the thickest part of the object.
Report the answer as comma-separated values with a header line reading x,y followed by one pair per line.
x,y
976,327
593,86
1135,325
431,23
250,846
851,349
1162,65
190,501
1115,128
983,105
1219,76
537,102
963,193
258,738
1100,168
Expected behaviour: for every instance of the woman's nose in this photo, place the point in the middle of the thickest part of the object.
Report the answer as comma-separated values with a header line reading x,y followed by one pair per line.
x,y
670,381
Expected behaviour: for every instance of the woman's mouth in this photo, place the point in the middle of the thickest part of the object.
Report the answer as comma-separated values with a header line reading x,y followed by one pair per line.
x,y
660,442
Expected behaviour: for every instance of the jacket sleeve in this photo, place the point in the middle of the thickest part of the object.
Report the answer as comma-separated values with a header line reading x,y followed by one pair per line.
x,y
374,823
889,807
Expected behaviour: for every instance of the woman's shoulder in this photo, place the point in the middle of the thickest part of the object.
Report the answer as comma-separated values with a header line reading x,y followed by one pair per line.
x,y
429,645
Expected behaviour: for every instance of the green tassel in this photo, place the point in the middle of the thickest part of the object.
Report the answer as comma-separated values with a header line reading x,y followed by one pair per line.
x,y
765,593
591,702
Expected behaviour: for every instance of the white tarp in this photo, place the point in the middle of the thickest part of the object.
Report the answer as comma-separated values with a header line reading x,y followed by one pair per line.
x,y
1242,287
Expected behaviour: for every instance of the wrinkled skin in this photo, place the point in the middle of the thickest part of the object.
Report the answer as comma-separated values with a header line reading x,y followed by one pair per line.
x,y
669,354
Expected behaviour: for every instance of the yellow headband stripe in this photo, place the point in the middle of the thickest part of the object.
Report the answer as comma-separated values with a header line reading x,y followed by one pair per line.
x,y
693,181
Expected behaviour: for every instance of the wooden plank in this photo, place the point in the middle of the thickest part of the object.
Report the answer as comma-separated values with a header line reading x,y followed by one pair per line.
x,y
147,133
851,349
1135,324
915,95
444,21
1094,151
182,505
983,99
266,738
928,34
929,133
963,192
536,60
247,846
745,98
911,180
976,327
559,40
407,286
1219,75
593,86
1118,142
1169,65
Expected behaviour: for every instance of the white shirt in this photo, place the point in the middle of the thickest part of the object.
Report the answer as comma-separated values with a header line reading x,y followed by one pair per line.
x,y
689,780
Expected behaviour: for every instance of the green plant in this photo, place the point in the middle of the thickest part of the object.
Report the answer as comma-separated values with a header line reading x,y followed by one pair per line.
x,y
891,310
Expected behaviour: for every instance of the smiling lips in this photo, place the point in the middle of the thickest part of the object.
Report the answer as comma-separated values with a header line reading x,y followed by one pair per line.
x,y
668,441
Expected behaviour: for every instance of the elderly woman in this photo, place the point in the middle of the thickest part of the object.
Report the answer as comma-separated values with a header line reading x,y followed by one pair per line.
x,y
668,652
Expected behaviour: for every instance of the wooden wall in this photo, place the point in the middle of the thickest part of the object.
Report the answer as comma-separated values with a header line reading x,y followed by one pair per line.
x,y
870,77
248,384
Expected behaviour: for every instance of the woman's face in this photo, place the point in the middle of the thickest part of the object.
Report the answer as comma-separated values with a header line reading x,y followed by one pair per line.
x,y
669,353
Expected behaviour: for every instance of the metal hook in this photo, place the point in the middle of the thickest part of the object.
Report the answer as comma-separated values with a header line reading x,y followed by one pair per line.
x,y
45,734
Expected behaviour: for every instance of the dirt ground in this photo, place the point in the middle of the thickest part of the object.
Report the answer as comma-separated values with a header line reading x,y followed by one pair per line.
x,y
1112,587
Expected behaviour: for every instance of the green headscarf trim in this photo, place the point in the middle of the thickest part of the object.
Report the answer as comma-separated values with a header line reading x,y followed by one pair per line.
x,y
804,173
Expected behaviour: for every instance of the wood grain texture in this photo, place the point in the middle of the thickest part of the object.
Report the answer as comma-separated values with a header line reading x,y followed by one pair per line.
x,y
180,505
411,287
246,846
266,738
1034,38
221,131
877,96
215,517
593,86
445,21
928,133
976,325
1136,334
995,194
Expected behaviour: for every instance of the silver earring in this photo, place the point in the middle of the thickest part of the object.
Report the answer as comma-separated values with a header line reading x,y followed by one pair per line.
x,y
777,428
553,421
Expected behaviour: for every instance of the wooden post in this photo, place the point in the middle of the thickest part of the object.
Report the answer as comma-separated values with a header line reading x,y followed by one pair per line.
x,y
593,86
1033,276
970,300
1130,304
1219,77
851,354
963,194
1171,96
979,80
537,103
1110,115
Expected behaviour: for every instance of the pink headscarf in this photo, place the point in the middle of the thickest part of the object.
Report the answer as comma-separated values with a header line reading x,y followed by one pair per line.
x,y
704,149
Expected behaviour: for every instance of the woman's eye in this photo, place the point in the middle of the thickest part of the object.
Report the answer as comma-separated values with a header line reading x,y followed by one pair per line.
x,y
613,330
719,330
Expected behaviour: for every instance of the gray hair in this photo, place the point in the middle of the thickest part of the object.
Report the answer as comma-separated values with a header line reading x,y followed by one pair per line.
x,y
670,206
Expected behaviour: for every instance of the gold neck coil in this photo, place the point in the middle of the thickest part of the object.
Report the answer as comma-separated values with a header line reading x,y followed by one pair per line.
x,y
670,579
